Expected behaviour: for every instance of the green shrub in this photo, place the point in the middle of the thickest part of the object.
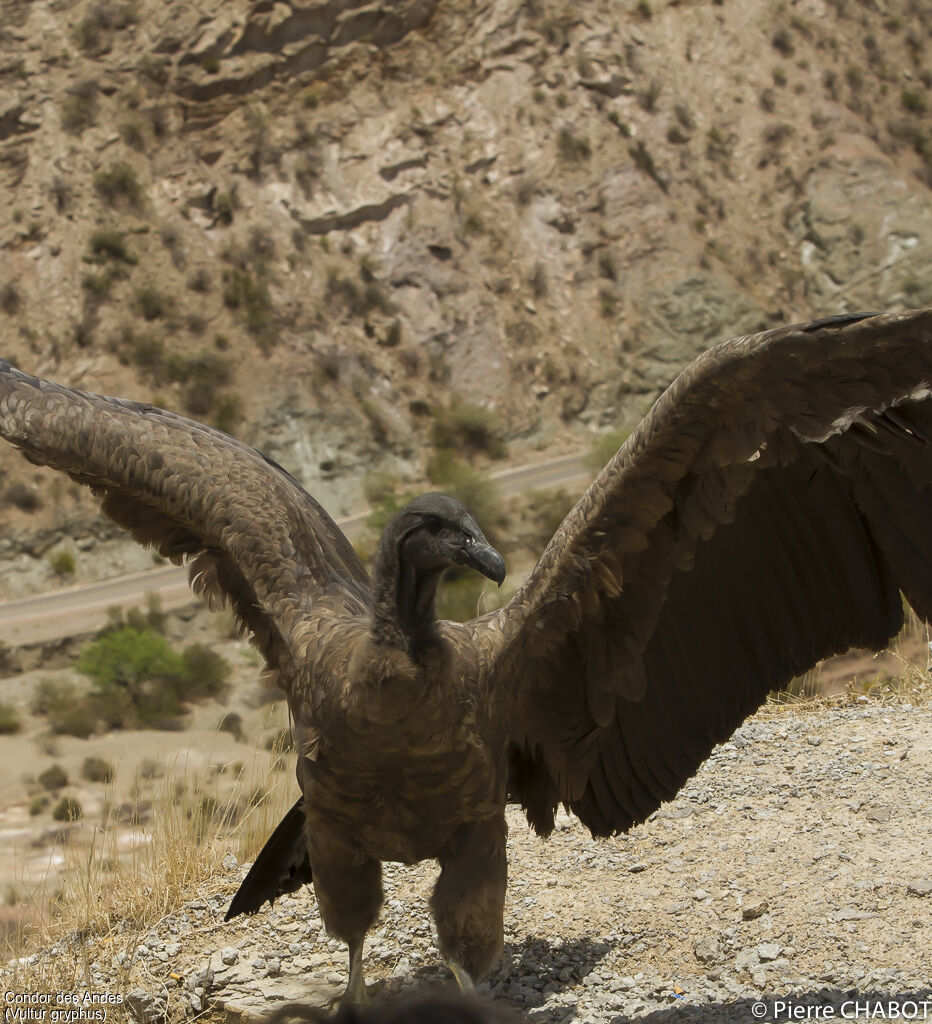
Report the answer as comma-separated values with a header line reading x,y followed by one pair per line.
x,y
623,127
227,412
62,563
378,486
571,147
97,286
147,352
225,206
10,720
462,481
152,618
392,337
150,768
644,161
96,769
92,33
473,224
156,69
720,146
909,132
607,265
38,804
10,299
201,373
782,41
53,778
232,722
22,496
74,718
468,429
608,304
69,714
119,184
459,596
206,673
604,447
136,674
250,296
913,101
139,680
543,512
48,693
108,244
67,809
79,107
132,134
155,616
200,281
151,304
647,98
360,299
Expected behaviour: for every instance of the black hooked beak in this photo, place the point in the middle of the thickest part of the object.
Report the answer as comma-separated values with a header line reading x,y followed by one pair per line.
x,y
479,554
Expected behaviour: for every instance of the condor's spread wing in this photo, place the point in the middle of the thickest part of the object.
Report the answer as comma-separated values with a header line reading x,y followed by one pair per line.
x,y
766,513
253,537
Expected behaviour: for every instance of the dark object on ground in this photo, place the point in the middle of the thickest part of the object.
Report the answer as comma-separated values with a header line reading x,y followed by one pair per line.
x,y
765,514
437,1007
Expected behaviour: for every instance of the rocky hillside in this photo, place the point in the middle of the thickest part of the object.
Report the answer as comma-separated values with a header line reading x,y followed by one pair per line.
x,y
318,224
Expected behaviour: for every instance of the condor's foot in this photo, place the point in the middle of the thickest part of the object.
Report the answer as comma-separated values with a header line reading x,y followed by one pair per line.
x,y
356,987
463,979
355,994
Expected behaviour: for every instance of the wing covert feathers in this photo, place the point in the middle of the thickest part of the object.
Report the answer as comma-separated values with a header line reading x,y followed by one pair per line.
x,y
253,537
764,515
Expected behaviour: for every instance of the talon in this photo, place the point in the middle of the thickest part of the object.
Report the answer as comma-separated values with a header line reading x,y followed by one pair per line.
x,y
465,982
356,993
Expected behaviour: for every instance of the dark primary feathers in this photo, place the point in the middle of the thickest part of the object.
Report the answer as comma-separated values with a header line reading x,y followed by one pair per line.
x,y
766,513
282,867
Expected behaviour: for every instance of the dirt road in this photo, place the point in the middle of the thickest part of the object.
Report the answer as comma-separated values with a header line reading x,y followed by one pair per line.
x,y
82,609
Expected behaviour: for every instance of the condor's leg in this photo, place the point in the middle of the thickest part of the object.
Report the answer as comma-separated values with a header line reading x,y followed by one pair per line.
x,y
469,899
348,885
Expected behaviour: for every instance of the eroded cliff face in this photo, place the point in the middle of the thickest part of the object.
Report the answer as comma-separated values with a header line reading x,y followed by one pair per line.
x,y
314,224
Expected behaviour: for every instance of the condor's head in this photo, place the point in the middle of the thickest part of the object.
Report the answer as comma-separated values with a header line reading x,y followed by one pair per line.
x,y
431,534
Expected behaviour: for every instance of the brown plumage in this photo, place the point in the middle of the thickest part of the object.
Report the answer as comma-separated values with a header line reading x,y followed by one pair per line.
x,y
765,514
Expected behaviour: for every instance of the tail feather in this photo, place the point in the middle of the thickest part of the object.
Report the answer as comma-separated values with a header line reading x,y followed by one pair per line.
x,y
282,867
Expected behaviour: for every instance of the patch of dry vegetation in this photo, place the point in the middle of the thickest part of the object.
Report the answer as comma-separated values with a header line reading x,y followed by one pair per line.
x,y
106,899
908,681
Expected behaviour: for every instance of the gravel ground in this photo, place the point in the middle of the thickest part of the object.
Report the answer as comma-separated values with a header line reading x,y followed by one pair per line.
x,y
796,864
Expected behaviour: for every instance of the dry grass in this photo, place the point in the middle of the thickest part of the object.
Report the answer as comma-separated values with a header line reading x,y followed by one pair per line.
x,y
119,880
910,683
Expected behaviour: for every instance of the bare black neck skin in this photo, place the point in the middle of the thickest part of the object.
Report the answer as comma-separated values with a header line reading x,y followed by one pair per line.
x,y
404,591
